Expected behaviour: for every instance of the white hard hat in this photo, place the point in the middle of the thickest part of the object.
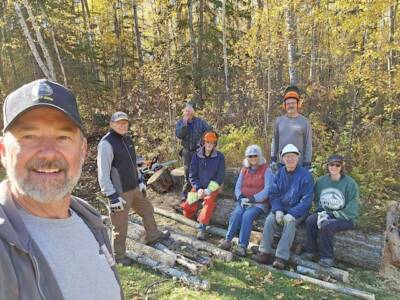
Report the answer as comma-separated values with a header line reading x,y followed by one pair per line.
x,y
253,150
290,148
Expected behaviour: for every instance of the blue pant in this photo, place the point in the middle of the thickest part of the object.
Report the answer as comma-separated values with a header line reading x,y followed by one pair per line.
x,y
325,235
242,219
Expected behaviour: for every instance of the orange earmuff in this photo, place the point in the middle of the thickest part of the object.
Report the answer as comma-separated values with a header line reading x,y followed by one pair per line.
x,y
295,95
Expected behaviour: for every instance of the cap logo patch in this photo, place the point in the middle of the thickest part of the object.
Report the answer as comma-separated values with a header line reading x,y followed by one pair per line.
x,y
42,91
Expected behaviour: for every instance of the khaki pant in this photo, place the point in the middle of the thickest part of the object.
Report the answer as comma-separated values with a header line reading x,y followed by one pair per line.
x,y
142,206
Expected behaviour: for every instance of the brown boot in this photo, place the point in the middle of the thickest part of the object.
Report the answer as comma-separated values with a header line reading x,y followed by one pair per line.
x,y
262,258
279,263
161,236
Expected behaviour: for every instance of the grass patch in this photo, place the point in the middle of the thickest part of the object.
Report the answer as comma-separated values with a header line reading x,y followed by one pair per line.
x,y
234,280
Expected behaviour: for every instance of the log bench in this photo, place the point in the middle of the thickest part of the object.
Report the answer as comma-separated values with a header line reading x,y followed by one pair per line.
x,y
354,247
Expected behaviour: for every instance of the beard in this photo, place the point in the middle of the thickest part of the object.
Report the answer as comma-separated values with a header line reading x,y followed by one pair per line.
x,y
44,190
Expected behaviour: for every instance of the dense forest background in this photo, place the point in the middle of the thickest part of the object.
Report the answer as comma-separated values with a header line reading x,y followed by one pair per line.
x,y
233,58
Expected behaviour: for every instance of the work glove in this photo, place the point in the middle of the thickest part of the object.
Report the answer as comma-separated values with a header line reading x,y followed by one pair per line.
x,y
323,216
244,202
288,218
200,193
116,203
192,197
279,217
143,188
274,166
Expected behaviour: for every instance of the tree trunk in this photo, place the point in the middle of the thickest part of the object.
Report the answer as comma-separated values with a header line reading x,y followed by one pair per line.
x,y
225,53
137,34
31,43
117,27
53,38
195,70
200,52
39,37
291,27
392,229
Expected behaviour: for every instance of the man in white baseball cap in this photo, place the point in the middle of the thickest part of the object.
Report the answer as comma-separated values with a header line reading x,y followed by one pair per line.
x,y
290,198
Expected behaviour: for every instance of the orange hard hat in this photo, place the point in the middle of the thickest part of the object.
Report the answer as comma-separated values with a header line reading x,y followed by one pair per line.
x,y
210,136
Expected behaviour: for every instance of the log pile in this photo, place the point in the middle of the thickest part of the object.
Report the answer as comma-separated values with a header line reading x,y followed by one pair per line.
x,y
392,231
308,269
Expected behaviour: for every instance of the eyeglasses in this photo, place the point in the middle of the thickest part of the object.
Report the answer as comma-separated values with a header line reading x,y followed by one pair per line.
x,y
337,165
251,156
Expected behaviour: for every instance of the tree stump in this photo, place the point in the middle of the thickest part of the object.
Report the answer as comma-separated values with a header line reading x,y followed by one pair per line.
x,y
161,181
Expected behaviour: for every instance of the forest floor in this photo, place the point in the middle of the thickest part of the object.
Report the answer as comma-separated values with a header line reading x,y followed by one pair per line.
x,y
242,279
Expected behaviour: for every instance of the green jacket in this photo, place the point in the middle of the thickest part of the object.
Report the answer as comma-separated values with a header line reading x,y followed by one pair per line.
x,y
339,197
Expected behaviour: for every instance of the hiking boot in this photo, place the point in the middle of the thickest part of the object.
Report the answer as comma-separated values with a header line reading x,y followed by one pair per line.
x,y
308,256
326,262
225,245
201,235
125,261
164,235
178,209
279,263
240,251
262,258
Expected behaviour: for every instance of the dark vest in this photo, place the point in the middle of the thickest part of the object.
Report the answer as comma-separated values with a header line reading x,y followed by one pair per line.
x,y
253,182
124,159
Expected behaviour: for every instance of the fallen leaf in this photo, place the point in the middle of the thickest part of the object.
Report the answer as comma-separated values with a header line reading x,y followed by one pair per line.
x,y
297,282
268,278
280,296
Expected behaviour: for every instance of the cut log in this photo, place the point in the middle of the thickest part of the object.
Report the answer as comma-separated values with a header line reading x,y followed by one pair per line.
x,y
338,274
193,266
328,285
201,245
392,231
312,273
161,181
136,232
353,247
150,252
181,276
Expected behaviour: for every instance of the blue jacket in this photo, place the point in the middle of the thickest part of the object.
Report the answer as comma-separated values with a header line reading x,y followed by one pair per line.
x,y
204,169
191,133
292,192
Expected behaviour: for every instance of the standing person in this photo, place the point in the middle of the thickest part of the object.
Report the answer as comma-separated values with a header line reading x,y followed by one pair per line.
x,y
207,171
290,198
119,182
337,199
189,130
251,191
52,245
292,128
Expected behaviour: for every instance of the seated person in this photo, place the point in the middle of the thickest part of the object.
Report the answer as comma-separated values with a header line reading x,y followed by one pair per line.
x,y
336,195
251,192
290,198
206,174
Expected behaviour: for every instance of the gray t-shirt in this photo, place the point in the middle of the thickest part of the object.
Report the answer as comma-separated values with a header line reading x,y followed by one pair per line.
x,y
296,131
74,255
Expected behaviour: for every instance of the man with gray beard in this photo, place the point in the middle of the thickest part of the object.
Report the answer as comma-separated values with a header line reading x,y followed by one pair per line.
x,y
52,245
